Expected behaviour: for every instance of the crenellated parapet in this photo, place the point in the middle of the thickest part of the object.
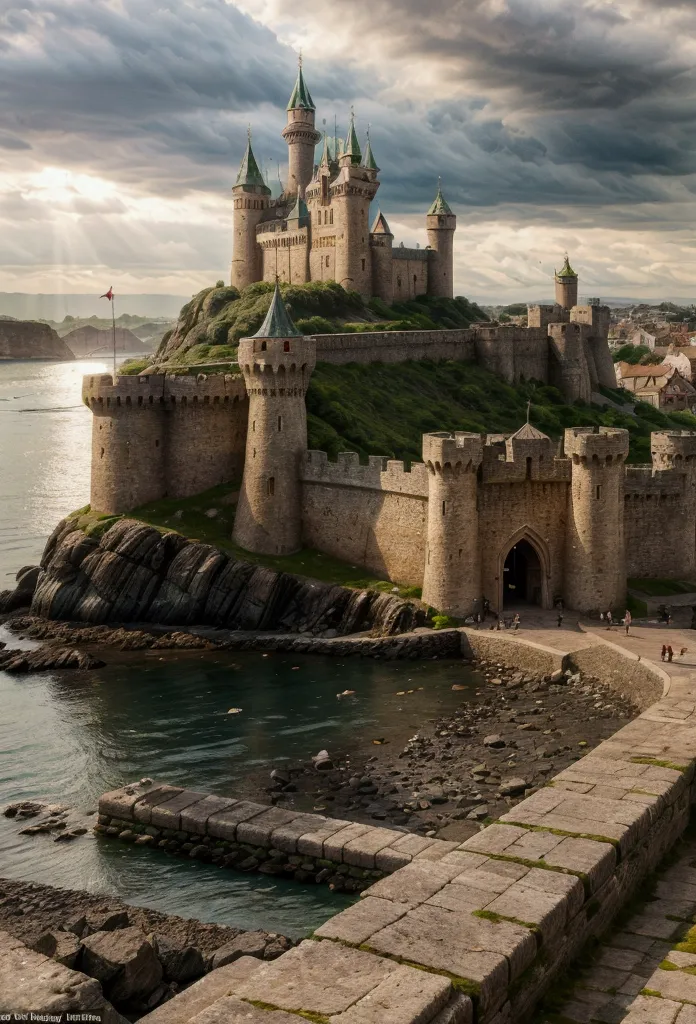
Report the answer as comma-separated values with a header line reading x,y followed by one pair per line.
x,y
642,482
277,363
452,453
517,458
675,449
100,393
379,474
607,444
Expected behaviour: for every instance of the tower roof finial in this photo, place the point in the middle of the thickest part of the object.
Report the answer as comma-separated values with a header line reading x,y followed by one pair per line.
x,y
368,156
352,146
249,172
300,94
277,323
566,270
439,205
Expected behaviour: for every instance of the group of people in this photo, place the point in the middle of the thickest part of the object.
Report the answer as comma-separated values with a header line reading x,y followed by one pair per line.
x,y
609,619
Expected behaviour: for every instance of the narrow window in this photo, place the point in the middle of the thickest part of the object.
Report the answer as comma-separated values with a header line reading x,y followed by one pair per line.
x,y
363,264
280,423
330,216
102,454
598,493
156,444
529,468
415,279
253,427
286,346
327,261
271,486
443,507
263,346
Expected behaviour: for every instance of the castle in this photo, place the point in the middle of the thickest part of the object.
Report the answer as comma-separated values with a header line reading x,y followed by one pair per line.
x,y
505,518
319,228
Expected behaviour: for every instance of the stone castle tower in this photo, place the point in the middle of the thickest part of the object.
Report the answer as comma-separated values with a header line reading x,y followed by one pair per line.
x,y
318,228
277,363
566,286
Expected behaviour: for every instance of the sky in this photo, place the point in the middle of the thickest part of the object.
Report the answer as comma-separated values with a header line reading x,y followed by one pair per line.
x,y
553,125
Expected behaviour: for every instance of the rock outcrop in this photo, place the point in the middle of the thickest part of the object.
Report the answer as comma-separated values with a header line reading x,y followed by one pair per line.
x,y
134,573
28,339
88,340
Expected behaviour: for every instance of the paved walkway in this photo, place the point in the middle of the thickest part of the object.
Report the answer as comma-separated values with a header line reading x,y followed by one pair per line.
x,y
645,971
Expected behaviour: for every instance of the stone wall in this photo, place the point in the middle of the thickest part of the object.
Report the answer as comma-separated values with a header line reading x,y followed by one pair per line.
x,y
409,273
634,679
659,524
503,649
373,515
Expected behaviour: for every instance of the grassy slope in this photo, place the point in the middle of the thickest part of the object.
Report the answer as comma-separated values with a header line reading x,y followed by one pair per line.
x,y
384,409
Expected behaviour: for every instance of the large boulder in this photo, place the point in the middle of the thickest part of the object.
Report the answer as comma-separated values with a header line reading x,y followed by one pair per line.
x,y
125,963
180,965
246,944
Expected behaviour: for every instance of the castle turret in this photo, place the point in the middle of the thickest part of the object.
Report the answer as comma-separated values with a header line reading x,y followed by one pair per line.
x,y
452,577
381,244
675,452
441,224
566,286
595,561
251,197
352,191
301,136
277,363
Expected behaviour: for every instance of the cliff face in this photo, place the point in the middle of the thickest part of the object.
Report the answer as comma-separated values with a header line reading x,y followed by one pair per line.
x,y
87,340
134,573
27,339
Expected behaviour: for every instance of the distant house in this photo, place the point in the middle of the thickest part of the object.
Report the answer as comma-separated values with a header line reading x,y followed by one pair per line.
x,y
642,337
662,386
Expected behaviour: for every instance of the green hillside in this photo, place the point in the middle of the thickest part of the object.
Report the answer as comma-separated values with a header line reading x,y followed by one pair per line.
x,y
211,324
384,409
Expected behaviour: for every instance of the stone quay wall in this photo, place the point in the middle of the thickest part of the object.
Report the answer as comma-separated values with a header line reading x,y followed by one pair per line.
x,y
659,523
479,929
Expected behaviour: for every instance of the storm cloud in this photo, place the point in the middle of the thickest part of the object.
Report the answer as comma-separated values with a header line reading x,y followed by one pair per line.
x,y
122,123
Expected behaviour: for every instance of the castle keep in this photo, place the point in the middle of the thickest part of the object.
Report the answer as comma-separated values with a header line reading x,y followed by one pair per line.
x,y
319,228
505,518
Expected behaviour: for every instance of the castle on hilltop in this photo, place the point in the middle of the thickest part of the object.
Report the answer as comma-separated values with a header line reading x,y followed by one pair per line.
x,y
319,228
505,518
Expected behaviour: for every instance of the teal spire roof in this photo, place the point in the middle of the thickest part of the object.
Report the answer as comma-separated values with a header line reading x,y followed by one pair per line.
x,y
277,323
566,270
300,94
325,154
249,173
299,210
440,204
352,146
368,158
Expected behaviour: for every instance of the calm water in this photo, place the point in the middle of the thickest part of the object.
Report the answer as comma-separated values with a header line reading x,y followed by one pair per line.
x,y
70,737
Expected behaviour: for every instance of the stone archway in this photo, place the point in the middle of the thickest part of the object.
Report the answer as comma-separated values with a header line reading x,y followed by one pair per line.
x,y
524,570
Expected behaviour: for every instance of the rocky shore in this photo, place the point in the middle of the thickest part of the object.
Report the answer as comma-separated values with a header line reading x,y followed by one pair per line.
x,y
141,957
461,771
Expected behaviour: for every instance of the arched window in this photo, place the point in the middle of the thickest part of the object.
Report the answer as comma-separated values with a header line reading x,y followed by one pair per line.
x,y
286,346
263,346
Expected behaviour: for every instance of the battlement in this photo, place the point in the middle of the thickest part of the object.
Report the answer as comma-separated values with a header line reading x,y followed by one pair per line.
x,y
380,473
99,391
273,355
669,449
514,459
542,316
605,443
458,452
400,252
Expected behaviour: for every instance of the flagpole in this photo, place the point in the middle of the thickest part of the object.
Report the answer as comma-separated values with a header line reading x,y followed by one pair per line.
x,y
113,333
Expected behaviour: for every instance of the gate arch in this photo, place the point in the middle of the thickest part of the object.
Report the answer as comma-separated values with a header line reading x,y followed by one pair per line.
x,y
541,549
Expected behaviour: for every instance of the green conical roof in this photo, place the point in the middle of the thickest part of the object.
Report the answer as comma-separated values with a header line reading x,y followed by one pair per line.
x,y
300,94
277,323
567,270
325,154
368,158
249,173
439,203
352,146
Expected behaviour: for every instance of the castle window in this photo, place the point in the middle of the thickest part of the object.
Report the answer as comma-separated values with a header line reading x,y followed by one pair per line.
x,y
330,216
280,423
398,282
327,261
271,486
102,454
529,468
444,507
263,346
363,264
598,492
253,427
286,346
157,444
415,280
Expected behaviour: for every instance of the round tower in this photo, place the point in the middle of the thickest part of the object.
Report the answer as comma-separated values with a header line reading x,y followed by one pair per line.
x,y
566,286
128,441
452,577
595,557
277,364
352,191
251,199
441,224
301,136
675,452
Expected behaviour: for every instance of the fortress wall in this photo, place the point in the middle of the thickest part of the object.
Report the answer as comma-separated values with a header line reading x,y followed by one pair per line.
x,y
409,273
205,443
658,524
507,509
372,515
513,352
395,346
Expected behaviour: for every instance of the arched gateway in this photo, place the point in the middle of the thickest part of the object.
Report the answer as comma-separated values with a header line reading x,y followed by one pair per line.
x,y
524,571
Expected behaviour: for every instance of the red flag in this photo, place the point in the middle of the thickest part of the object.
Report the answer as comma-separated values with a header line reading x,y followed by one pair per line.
x,y
108,295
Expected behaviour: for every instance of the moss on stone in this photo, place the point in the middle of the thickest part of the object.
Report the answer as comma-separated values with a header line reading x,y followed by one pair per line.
x,y
490,915
660,764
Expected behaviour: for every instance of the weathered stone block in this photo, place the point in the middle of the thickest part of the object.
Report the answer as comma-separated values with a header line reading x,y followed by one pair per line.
x,y
312,843
223,825
333,846
413,884
406,995
595,860
357,923
257,830
361,851
390,860
142,809
168,814
193,1000
195,818
123,961
286,837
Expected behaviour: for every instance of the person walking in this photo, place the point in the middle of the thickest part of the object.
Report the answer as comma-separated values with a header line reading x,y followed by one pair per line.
x,y
610,621
670,653
516,621
560,618
663,655
627,621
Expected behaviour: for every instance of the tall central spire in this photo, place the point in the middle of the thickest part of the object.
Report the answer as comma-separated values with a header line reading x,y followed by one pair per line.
x,y
300,94
352,147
